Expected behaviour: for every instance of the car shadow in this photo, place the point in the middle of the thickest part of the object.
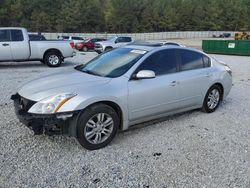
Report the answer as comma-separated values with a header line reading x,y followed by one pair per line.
x,y
7,65
160,120
32,65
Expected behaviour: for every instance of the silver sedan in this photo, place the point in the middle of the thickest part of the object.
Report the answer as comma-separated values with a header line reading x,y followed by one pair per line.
x,y
121,88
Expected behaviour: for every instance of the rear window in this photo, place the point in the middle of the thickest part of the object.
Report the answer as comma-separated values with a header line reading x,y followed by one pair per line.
x,y
4,36
16,35
127,39
36,37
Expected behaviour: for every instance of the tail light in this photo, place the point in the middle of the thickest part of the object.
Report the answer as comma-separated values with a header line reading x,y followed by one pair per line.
x,y
72,45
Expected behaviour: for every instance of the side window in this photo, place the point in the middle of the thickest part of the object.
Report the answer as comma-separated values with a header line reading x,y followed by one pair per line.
x,y
162,62
77,38
4,36
127,39
191,60
65,37
206,61
16,35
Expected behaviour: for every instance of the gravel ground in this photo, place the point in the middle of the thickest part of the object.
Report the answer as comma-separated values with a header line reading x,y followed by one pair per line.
x,y
191,149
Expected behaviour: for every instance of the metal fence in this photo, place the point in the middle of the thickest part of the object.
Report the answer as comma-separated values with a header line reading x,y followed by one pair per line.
x,y
146,36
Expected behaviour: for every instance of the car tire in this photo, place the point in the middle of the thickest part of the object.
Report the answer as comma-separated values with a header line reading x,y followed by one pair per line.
x,y
85,49
97,126
42,61
53,59
212,99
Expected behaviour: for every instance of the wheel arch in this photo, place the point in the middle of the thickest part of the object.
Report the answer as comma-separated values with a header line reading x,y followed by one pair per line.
x,y
222,88
53,50
113,105
108,47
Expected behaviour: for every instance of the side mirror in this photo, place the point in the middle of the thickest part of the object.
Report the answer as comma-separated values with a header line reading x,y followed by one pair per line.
x,y
145,74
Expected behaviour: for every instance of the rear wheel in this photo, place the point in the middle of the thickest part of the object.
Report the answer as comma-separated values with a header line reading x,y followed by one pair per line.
x,y
53,59
97,126
212,99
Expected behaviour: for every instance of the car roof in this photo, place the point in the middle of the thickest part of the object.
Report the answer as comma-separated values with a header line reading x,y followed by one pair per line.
x,y
150,44
149,47
140,47
21,28
156,48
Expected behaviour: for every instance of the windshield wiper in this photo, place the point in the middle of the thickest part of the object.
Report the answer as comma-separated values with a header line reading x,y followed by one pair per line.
x,y
79,67
90,72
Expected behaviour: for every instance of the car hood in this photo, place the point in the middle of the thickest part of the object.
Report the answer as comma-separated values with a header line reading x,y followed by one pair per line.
x,y
70,81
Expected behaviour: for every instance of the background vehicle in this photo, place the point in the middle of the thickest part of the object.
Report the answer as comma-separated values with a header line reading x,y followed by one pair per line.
x,y
36,37
172,44
223,35
120,88
242,36
88,44
16,46
75,39
111,43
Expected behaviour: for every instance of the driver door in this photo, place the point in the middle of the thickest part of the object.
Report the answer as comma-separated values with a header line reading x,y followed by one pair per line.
x,y
159,95
5,50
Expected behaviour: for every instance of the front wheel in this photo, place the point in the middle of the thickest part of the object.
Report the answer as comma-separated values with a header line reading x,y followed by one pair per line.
x,y
85,49
97,126
212,99
53,59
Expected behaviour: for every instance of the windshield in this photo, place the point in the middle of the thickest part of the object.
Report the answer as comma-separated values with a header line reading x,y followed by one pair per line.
x,y
77,38
113,63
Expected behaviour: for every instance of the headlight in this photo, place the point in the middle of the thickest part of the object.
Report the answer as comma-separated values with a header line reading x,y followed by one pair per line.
x,y
50,105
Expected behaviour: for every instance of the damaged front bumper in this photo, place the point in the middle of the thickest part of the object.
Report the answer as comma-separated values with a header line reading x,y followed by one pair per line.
x,y
49,124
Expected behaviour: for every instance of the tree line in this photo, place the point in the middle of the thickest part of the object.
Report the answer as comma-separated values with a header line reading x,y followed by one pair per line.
x,y
125,15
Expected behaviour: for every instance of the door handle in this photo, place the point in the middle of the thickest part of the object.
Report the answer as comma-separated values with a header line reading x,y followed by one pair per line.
x,y
5,44
209,75
173,83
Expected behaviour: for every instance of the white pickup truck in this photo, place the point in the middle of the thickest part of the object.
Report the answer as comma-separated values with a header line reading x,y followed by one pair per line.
x,y
111,43
16,46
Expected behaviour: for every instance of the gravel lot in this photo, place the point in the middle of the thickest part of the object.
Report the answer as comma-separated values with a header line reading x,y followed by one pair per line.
x,y
192,149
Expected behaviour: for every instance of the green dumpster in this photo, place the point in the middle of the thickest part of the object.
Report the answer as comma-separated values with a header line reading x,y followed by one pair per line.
x,y
230,47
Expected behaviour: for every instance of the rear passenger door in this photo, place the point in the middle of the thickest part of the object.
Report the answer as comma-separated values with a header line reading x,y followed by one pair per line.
x,y
194,77
5,52
20,48
150,97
